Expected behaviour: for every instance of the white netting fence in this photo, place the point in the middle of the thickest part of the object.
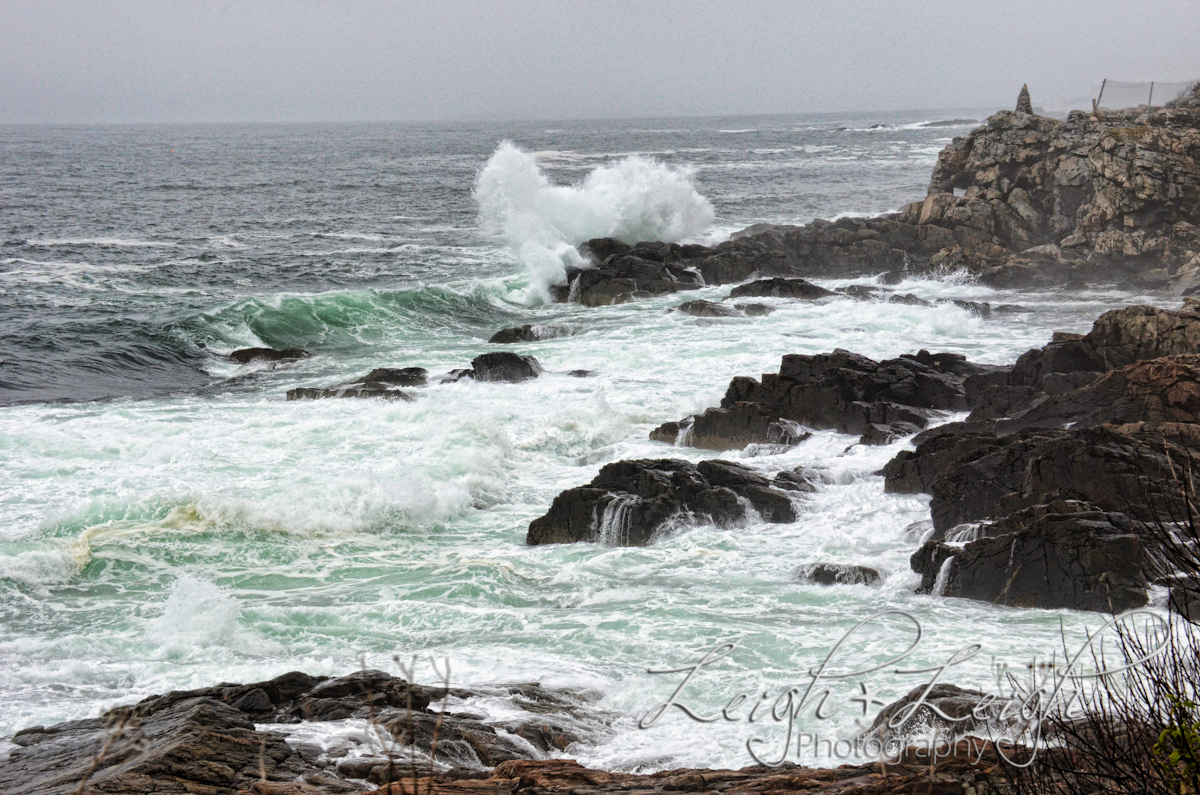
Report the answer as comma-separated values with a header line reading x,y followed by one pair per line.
x,y
1115,95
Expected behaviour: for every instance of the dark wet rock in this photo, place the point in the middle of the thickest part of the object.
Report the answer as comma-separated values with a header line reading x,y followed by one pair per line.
x,y
380,383
841,391
1080,561
630,502
754,310
247,355
581,373
877,434
781,288
1011,309
707,309
865,292
908,299
980,477
1070,361
397,376
505,367
205,741
836,574
354,390
530,332
801,479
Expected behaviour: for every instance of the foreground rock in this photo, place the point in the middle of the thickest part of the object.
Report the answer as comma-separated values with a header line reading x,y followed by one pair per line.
x,y
1045,496
968,768
205,741
247,355
631,502
881,401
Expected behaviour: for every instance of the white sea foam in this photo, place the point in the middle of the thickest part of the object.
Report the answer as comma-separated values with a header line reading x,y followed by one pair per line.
x,y
633,199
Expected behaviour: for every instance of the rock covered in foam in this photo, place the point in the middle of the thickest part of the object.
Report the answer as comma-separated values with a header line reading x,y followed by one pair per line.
x,y
630,502
836,574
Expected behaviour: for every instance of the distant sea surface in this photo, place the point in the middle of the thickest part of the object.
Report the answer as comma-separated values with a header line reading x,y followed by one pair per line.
x,y
168,520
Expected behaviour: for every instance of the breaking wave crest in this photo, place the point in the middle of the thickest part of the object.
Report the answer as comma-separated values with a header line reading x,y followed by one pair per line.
x,y
634,198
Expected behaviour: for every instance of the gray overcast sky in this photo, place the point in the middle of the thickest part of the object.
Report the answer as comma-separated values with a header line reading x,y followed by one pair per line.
x,y
279,60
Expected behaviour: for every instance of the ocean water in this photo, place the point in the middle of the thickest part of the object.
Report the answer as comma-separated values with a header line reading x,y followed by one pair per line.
x,y
169,520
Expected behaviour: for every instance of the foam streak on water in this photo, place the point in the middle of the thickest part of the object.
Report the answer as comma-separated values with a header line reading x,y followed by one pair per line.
x,y
191,526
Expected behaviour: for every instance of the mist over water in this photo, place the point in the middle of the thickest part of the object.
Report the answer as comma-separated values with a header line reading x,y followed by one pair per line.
x,y
169,520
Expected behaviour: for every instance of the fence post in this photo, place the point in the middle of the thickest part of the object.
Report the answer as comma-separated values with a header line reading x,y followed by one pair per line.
x,y
1150,102
1096,101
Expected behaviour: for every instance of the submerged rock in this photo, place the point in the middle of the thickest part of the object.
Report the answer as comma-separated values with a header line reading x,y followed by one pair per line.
x,y
836,574
708,309
630,502
381,383
530,332
247,355
754,310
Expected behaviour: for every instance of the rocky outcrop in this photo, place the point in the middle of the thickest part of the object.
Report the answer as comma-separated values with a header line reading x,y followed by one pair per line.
x,y
530,332
631,502
1022,201
1083,561
881,401
205,740
1065,460
836,574
247,355
1070,361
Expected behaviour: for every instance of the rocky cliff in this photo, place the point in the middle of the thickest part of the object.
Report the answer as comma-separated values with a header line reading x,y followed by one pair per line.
x,y
1023,201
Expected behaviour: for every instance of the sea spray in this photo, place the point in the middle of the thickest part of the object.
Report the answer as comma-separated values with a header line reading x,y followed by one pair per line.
x,y
632,199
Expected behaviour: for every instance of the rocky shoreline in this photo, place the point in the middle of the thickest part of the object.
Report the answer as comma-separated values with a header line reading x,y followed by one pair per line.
x,y
1040,498
233,740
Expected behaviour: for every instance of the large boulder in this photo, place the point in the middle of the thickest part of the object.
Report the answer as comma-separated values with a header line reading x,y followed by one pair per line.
x,y
781,288
1080,561
504,366
630,502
